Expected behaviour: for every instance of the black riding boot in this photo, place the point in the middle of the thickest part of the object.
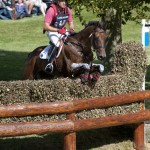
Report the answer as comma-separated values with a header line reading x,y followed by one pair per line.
x,y
52,54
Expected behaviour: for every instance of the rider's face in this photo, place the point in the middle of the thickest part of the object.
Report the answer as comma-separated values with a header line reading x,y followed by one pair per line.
x,y
62,3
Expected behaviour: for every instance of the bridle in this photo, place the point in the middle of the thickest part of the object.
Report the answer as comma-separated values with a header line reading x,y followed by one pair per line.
x,y
91,37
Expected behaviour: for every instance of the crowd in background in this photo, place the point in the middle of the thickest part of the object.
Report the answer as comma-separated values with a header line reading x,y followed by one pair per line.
x,y
23,8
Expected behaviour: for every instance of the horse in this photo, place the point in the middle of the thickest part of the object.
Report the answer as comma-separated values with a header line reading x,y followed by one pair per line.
x,y
77,49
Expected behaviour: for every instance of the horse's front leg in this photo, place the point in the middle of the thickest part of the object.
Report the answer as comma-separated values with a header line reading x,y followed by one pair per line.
x,y
81,70
76,66
96,71
87,72
97,68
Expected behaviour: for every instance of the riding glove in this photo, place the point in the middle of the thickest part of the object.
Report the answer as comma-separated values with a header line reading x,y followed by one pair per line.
x,y
62,30
71,31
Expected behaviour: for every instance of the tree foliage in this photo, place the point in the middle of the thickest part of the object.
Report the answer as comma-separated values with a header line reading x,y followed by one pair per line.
x,y
125,8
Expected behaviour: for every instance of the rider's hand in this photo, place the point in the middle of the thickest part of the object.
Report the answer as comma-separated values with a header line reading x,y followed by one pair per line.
x,y
62,30
71,31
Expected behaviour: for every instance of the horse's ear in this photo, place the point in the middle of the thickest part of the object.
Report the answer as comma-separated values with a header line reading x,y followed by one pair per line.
x,y
102,25
85,25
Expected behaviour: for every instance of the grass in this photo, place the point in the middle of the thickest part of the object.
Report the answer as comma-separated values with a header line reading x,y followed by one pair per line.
x,y
17,39
22,35
131,32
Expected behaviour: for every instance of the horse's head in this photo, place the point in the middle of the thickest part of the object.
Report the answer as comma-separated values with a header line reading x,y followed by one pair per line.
x,y
98,38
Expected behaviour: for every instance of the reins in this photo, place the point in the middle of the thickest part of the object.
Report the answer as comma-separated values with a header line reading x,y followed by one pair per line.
x,y
75,42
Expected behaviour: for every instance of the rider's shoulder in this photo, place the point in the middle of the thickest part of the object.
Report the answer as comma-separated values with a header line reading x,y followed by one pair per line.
x,y
51,9
69,10
53,5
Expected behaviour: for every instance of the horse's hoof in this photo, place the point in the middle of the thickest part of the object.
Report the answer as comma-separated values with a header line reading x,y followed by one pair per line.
x,y
84,78
95,77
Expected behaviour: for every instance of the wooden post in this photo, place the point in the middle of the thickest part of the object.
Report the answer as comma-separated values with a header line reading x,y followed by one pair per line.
x,y
70,138
14,10
139,143
139,132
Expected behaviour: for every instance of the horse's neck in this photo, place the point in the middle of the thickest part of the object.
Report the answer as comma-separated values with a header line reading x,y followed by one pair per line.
x,y
82,44
84,36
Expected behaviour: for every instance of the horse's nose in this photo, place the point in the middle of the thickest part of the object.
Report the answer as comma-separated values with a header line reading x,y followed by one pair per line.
x,y
101,57
102,54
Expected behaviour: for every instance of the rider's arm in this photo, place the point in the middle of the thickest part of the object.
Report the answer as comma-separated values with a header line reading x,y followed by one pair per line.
x,y
70,20
71,26
48,19
47,27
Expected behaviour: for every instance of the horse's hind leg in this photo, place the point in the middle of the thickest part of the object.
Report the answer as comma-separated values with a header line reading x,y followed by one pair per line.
x,y
29,69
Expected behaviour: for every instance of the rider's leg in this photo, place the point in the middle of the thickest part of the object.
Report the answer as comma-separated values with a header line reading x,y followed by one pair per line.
x,y
54,38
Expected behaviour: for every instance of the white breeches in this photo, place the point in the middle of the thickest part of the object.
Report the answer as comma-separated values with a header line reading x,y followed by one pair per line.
x,y
55,37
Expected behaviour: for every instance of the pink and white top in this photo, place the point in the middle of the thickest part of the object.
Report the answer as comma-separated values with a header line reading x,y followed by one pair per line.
x,y
51,14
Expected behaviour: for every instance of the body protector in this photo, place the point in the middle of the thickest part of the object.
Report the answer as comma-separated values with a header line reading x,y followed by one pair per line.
x,y
60,18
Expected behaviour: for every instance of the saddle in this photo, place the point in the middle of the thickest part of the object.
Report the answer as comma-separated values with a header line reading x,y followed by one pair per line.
x,y
48,53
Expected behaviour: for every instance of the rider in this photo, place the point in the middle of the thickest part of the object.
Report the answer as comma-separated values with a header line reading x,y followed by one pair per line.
x,y
54,23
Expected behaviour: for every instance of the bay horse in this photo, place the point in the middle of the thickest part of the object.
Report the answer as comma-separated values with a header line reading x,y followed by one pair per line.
x,y
77,49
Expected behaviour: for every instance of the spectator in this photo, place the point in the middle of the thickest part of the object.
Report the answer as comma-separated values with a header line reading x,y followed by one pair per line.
x,y
7,3
5,11
29,5
40,4
21,10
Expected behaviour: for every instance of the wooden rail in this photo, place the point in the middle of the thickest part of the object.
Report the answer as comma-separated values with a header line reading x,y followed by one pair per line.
x,y
66,126
71,125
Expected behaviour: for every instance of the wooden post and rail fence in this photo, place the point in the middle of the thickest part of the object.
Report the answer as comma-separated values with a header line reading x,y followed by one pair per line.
x,y
70,126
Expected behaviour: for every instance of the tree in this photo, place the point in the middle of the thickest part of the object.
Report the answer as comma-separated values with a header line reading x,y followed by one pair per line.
x,y
114,13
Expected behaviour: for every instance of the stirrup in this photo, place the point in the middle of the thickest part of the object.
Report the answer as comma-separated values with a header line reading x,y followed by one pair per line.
x,y
49,68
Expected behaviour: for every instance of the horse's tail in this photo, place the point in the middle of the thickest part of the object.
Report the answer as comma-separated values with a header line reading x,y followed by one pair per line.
x,y
29,68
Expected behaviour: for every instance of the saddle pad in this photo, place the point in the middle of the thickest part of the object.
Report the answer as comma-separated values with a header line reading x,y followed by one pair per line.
x,y
44,53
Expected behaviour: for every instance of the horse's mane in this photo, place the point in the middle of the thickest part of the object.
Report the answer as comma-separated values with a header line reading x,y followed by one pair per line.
x,y
95,23
92,23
